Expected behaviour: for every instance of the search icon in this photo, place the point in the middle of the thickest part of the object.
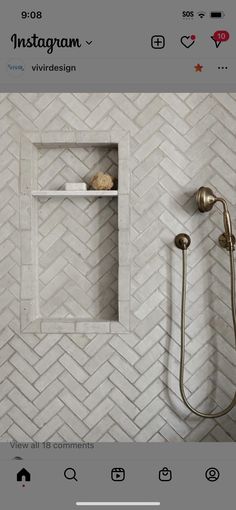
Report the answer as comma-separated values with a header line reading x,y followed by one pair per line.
x,y
70,474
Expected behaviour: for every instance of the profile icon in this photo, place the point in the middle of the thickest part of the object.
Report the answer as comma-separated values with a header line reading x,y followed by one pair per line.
x,y
212,474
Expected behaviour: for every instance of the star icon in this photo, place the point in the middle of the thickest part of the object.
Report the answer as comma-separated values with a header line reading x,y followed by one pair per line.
x,y
198,68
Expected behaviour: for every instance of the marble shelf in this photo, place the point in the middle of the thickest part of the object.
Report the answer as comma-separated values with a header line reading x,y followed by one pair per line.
x,y
62,193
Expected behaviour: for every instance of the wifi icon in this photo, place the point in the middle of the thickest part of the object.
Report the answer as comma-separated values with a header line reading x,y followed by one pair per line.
x,y
201,14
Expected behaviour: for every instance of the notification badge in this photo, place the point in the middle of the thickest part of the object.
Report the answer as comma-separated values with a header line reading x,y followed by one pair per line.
x,y
220,36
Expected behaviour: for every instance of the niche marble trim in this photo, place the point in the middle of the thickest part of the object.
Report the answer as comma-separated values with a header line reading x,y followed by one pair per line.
x,y
31,143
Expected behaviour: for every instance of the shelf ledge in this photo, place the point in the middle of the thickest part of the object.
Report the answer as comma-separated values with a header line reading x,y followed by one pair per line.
x,y
89,193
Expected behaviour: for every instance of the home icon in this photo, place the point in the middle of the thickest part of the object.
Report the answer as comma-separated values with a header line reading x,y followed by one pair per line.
x,y
23,476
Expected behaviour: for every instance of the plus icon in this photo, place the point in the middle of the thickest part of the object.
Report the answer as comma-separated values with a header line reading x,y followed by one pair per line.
x,y
158,42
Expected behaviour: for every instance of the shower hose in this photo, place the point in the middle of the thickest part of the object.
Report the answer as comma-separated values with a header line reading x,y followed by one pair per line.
x,y
182,356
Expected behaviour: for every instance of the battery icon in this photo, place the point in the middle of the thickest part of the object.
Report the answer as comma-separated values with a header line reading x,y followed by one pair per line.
x,y
217,14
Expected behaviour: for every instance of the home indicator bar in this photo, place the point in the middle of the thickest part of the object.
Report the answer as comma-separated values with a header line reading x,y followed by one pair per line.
x,y
117,503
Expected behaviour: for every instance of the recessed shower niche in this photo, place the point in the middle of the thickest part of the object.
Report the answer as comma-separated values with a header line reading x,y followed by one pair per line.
x,y
75,268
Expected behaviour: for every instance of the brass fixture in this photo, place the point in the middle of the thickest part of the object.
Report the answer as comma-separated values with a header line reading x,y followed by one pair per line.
x,y
205,201
182,241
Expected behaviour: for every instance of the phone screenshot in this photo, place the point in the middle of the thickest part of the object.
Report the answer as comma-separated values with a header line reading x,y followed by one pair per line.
x,y
117,255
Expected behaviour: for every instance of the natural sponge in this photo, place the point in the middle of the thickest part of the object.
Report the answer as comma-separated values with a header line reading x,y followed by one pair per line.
x,y
102,181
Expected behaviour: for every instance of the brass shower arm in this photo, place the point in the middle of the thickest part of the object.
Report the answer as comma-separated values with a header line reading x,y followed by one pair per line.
x,y
223,201
225,205
226,217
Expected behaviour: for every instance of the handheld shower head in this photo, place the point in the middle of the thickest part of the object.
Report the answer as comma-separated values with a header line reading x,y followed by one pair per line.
x,y
205,200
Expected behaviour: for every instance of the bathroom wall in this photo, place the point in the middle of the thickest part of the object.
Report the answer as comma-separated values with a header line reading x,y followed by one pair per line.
x,y
125,387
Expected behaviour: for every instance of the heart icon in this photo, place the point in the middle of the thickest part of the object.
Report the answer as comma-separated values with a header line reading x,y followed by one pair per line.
x,y
188,40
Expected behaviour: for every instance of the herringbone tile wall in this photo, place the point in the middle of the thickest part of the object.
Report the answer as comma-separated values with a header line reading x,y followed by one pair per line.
x,y
64,227
125,387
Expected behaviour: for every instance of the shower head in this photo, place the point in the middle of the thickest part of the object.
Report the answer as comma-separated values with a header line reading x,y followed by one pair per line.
x,y
205,200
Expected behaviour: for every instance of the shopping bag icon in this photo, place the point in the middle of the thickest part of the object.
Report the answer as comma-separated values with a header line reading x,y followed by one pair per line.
x,y
165,475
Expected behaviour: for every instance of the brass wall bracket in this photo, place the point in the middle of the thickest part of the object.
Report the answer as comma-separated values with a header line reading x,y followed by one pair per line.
x,y
226,243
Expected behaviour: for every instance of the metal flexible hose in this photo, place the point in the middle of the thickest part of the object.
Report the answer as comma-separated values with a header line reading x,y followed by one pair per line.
x,y
182,357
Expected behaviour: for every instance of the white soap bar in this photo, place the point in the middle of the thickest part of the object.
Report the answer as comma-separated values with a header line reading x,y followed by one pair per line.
x,y
75,186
